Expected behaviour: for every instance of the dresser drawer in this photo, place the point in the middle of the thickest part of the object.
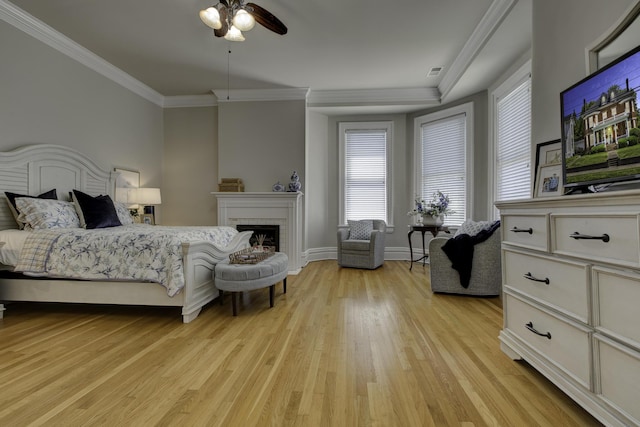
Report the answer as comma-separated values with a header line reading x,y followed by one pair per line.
x,y
561,284
527,231
614,238
569,346
618,377
617,304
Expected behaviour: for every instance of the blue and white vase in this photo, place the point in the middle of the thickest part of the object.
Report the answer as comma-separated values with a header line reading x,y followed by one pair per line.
x,y
295,185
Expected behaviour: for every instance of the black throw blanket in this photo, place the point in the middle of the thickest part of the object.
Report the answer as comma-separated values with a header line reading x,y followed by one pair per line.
x,y
460,251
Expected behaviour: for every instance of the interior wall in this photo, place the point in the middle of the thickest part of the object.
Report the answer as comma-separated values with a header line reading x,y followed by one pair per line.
x,y
190,171
47,97
261,142
561,33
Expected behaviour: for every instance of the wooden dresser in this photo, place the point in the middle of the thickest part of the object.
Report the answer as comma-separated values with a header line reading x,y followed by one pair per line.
x,y
571,283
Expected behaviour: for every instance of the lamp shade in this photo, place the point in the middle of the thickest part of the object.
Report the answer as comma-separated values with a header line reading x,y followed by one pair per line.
x,y
234,35
243,20
211,18
145,196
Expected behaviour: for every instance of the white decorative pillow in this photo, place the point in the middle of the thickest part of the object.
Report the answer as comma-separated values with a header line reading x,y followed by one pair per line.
x,y
473,227
123,213
360,230
45,213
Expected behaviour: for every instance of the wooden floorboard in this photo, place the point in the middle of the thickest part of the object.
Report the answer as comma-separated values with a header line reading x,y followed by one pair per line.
x,y
343,347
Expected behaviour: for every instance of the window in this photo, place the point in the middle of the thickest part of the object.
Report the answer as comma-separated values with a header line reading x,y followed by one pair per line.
x,y
365,171
443,149
512,145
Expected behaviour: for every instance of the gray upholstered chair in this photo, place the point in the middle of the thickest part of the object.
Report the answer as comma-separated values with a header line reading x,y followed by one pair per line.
x,y
359,252
486,270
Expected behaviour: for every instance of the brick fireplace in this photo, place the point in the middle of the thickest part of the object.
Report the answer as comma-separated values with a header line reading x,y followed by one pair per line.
x,y
282,210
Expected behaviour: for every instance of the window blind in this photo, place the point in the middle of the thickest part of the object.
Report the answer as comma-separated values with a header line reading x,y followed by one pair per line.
x,y
444,163
366,174
513,171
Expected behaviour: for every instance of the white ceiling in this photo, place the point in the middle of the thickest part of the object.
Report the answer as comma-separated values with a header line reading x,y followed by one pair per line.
x,y
342,50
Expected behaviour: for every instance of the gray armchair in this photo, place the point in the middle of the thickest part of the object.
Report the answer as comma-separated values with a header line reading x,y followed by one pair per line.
x,y
362,253
486,270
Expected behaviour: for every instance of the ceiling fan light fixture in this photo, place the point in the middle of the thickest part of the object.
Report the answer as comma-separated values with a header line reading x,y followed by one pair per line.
x,y
243,20
211,18
234,35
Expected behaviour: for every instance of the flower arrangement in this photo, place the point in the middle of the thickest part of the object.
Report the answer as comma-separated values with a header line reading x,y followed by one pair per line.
x,y
438,206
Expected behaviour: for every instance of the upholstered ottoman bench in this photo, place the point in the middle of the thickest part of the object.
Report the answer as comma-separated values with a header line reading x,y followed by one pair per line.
x,y
237,278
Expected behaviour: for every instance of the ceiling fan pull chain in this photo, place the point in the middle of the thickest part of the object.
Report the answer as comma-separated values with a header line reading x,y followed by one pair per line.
x,y
228,73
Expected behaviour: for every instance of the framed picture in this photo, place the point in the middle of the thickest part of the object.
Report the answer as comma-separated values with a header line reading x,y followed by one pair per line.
x,y
125,179
547,153
147,219
549,180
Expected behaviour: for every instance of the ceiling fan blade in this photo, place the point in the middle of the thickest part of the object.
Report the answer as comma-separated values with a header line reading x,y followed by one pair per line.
x,y
266,18
224,13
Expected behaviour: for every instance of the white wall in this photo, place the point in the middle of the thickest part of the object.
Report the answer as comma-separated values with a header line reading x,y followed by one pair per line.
x,y
47,97
562,30
190,171
261,142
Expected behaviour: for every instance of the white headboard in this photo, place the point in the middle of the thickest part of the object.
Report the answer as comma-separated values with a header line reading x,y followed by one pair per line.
x,y
35,169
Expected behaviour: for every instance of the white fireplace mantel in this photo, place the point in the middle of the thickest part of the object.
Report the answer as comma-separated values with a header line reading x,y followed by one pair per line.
x,y
264,208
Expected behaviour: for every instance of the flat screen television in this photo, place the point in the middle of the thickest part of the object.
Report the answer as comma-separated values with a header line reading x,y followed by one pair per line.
x,y
600,128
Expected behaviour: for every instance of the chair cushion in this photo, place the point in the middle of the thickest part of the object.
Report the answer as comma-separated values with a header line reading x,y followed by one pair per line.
x,y
360,230
356,245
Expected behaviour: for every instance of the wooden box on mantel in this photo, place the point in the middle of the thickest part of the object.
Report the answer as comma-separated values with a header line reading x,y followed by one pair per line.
x,y
231,185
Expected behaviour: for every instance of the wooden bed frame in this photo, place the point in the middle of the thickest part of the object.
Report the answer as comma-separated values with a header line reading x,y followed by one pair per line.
x,y
34,169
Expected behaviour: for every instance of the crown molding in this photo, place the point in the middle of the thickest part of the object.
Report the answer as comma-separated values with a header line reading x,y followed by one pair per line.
x,y
483,31
15,16
242,95
186,101
372,97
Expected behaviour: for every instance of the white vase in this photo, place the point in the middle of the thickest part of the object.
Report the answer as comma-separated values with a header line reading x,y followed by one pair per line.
x,y
432,220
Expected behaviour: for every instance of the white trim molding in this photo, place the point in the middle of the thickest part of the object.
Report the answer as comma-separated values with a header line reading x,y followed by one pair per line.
x,y
485,29
190,101
241,95
422,96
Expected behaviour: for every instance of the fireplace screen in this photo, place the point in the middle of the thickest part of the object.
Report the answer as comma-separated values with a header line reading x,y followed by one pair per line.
x,y
271,234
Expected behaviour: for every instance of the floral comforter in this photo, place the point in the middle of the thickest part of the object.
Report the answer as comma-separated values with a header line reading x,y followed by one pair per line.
x,y
131,252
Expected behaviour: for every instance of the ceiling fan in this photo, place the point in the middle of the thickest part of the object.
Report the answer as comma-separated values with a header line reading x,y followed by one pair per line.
x,y
230,17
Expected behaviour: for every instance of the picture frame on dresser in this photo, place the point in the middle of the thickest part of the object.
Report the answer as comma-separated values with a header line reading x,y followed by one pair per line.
x,y
549,181
147,219
547,153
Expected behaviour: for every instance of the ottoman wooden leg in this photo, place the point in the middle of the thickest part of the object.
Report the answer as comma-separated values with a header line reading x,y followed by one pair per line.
x,y
221,296
234,303
272,291
284,285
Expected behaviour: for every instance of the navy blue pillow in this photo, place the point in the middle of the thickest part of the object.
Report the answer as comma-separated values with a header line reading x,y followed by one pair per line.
x,y
96,212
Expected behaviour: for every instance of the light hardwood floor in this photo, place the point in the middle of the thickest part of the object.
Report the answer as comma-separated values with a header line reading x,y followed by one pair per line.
x,y
343,347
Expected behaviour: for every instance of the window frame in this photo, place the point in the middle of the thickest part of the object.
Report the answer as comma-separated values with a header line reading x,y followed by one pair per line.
x,y
343,128
500,91
467,110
